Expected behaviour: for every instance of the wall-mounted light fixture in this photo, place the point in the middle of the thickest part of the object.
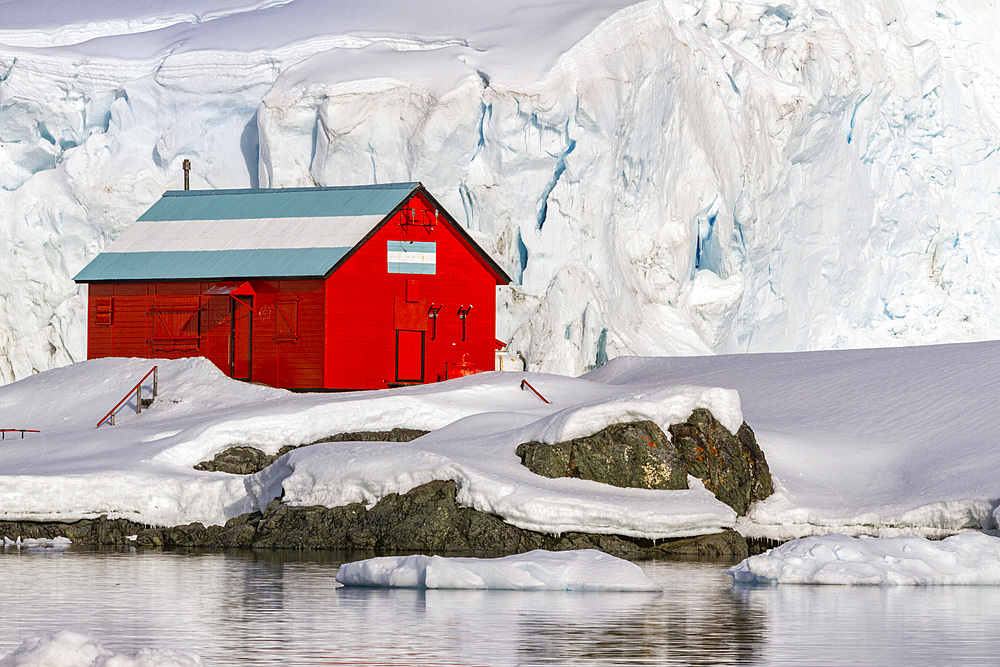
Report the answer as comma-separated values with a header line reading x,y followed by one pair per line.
x,y
432,313
463,312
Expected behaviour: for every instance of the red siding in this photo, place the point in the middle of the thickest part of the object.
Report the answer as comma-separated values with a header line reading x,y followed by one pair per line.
x,y
146,317
366,304
340,333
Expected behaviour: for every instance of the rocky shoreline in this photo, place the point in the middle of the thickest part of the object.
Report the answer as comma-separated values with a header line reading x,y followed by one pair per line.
x,y
428,518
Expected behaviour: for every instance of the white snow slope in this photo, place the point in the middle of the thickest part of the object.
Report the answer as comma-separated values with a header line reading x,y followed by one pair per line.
x,y
142,468
661,177
898,441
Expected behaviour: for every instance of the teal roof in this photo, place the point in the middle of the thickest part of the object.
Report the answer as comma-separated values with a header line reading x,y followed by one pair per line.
x,y
296,246
353,200
211,265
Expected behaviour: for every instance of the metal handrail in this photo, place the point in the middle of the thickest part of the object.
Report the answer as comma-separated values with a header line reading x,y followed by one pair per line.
x,y
5,431
525,383
138,396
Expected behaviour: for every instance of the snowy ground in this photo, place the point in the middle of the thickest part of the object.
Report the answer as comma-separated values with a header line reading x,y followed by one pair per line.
x,y
141,469
886,442
895,441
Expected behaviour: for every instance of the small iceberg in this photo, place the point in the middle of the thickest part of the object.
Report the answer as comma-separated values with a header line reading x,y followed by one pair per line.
x,y
580,570
965,559
73,649
56,543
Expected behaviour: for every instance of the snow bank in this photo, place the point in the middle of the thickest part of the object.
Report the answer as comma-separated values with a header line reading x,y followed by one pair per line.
x,y
967,558
72,649
142,469
581,570
888,442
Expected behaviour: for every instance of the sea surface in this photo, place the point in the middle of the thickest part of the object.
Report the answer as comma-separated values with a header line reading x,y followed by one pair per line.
x,y
266,608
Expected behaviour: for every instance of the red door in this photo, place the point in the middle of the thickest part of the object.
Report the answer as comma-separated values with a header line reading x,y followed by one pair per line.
x,y
409,356
241,340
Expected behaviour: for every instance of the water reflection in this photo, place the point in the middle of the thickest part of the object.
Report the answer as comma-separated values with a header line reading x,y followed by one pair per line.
x,y
696,620
930,625
267,607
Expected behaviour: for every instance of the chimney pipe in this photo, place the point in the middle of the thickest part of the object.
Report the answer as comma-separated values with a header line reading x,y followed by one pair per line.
x,y
187,174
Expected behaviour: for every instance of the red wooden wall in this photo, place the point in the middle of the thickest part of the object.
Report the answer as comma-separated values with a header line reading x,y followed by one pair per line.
x,y
367,306
361,328
171,320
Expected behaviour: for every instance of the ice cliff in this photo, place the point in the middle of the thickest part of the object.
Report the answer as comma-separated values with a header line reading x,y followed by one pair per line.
x,y
659,177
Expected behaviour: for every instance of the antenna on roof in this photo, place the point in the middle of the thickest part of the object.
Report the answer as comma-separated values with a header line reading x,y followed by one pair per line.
x,y
187,174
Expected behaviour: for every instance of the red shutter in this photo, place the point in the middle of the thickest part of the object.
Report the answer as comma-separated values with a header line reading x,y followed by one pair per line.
x,y
103,308
410,316
176,324
286,321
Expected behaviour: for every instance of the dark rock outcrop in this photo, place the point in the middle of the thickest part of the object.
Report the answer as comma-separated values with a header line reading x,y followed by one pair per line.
x,y
731,466
638,454
635,454
242,460
246,460
426,519
429,519
394,435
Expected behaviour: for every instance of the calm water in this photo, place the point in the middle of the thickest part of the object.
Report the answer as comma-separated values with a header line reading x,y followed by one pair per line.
x,y
278,608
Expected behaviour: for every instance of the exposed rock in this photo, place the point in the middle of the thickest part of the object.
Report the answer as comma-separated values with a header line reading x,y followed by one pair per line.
x,y
395,435
731,466
242,460
638,454
426,519
429,519
89,531
635,454
246,460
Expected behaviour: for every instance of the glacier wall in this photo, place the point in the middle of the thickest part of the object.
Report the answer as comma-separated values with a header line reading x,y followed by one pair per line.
x,y
660,178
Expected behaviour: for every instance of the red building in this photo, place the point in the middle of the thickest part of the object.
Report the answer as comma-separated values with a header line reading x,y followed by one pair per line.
x,y
359,287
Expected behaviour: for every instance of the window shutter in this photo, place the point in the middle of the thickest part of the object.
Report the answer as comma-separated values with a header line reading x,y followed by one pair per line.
x,y
176,324
103,311
286,322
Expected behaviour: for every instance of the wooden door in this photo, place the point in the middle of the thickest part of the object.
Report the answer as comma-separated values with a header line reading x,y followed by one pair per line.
x,y
409,356
241,339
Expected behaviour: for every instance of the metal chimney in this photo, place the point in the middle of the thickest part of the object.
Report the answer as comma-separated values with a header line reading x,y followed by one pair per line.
x,y
187,174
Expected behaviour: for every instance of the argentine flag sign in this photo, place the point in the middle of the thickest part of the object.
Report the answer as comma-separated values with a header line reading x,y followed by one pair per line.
x,y
412,257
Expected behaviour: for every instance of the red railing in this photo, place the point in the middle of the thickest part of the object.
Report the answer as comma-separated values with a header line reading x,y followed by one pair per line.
x,y
138,397
22,431
525,383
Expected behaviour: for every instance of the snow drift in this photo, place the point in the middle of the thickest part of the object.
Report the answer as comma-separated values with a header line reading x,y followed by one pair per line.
x,y
660,177
143,468
898,441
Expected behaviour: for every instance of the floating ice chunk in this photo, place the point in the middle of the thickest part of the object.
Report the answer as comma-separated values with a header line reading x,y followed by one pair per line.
x,y
72,649
38,543
581,570
966,558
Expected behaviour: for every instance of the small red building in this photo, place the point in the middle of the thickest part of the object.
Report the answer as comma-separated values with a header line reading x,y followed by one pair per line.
x,y
358,287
